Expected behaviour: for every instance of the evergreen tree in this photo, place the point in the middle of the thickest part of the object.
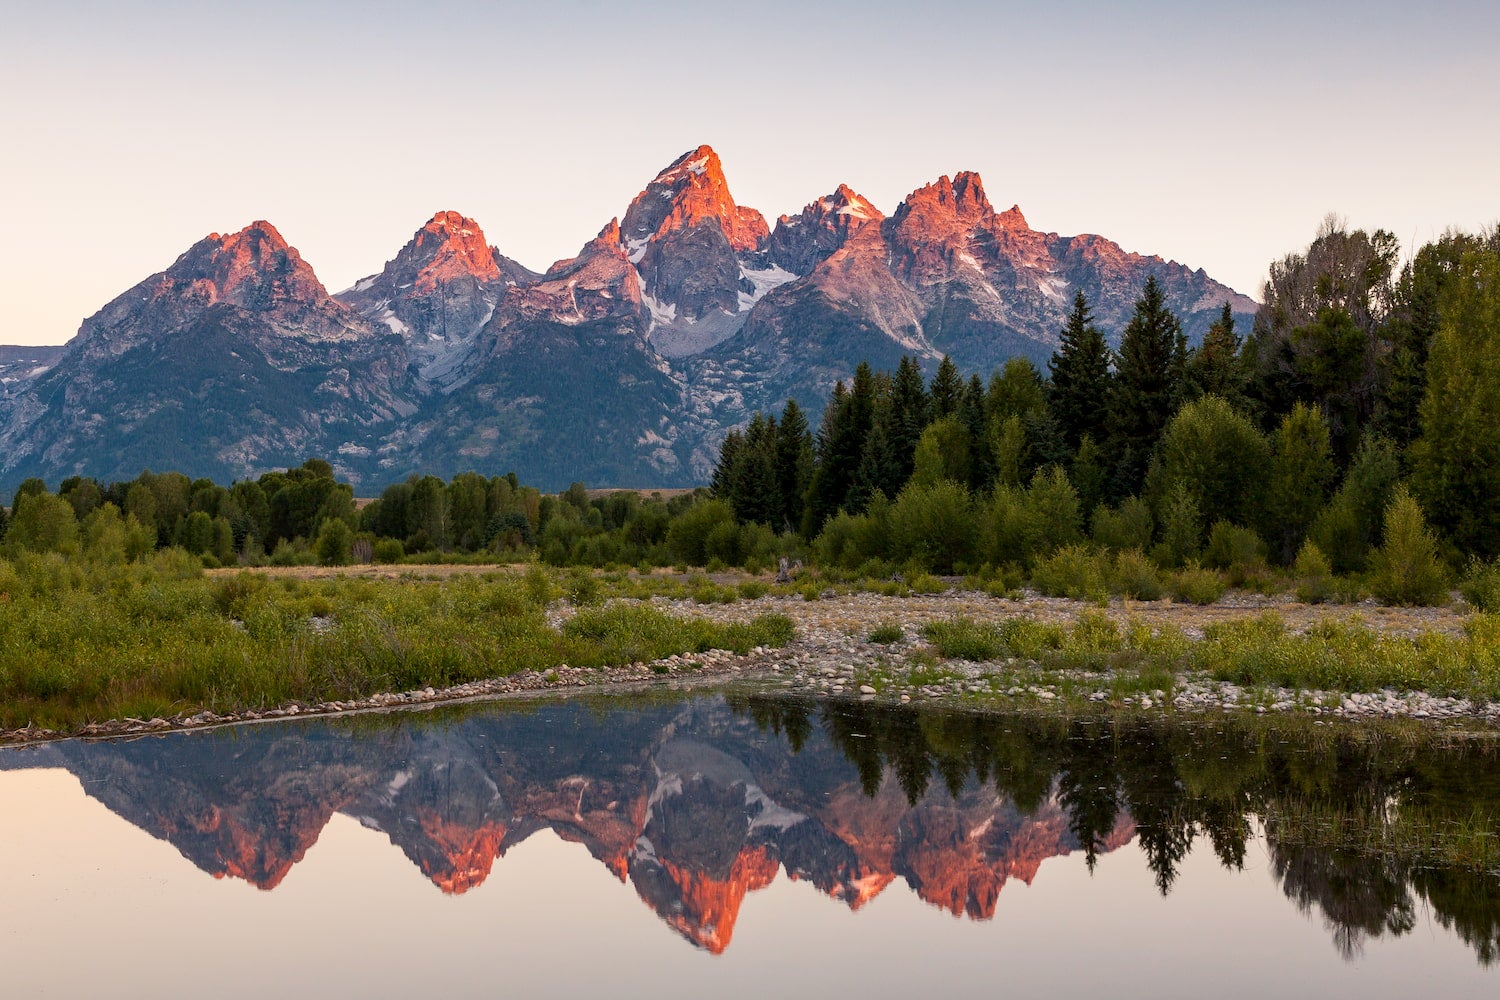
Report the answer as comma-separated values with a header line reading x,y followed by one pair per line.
x,y
971,414
1456,461
1146,386
947,390
909,415
721,482
1214,367
794,464
840,444
1080,376
754,493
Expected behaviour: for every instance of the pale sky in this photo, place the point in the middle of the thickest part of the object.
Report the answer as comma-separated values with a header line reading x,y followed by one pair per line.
x,y
1217,135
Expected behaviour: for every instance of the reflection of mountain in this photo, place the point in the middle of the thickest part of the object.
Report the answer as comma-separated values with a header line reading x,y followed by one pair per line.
x,y
698,804
691,804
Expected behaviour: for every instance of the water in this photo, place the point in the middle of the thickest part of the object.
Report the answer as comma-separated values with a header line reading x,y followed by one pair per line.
x,y
750,847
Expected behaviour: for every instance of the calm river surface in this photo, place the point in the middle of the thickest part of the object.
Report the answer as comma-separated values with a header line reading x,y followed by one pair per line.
x,y
750,847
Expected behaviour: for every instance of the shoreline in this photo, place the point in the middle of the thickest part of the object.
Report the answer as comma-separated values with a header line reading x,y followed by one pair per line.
x,y
832,656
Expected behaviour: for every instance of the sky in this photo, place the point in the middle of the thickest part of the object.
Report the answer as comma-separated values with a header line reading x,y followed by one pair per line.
x,y
1217,135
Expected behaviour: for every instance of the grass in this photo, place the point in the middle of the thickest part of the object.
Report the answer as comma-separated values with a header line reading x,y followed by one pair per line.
x,y
1349,656
81,643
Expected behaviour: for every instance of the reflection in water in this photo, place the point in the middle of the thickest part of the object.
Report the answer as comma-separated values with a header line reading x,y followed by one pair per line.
x,y
696,804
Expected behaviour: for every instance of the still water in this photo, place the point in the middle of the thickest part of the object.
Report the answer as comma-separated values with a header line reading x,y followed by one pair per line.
x,y
750,847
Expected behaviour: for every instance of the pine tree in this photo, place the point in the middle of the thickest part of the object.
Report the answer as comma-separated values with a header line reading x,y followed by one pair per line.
x,y
1080,376
1214,368
1146,387
971,414
753,488
947,390
840,443
794,463
909,415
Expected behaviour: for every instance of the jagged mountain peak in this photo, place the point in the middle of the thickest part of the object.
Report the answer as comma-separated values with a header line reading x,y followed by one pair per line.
x,y
452,245
960,199
800,242
254,268
690,191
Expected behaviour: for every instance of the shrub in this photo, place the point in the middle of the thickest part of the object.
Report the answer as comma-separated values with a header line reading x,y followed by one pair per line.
x,y
688,536
1074,571
1133,575
1405,569
751,589
388,551
1313,573
1196,585
1230,545
335,542
926,583
887,634
1181,528
583,589
965,639
933,524
1481,585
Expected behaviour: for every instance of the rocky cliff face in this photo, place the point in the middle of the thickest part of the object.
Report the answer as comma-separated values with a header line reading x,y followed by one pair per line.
x,y
565,386
699,254
232,361
438,293
624,365
22,364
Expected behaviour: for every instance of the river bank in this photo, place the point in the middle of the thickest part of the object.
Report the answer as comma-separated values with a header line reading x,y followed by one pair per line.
x,y
874,647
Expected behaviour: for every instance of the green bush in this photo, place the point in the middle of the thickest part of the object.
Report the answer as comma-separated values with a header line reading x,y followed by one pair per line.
x,y
688,537
1405,568
965,639
933,525
887,634
752,589
1481,585
1181,528
388,551
1232,546
1196,585
335,542
583,589
1074,571
1314,574
1133,575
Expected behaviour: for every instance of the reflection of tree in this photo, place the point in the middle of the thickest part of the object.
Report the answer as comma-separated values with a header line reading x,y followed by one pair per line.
x,y
1359,896
1088,788
1359,822
1464,904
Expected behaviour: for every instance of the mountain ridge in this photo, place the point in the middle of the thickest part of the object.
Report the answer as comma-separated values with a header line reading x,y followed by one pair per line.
x,y
682,317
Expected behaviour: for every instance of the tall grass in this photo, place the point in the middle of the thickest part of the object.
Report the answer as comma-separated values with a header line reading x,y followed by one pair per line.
x,y
82,642
1349,656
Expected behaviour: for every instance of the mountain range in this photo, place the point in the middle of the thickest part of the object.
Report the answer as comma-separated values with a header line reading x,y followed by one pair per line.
x,y
624,365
